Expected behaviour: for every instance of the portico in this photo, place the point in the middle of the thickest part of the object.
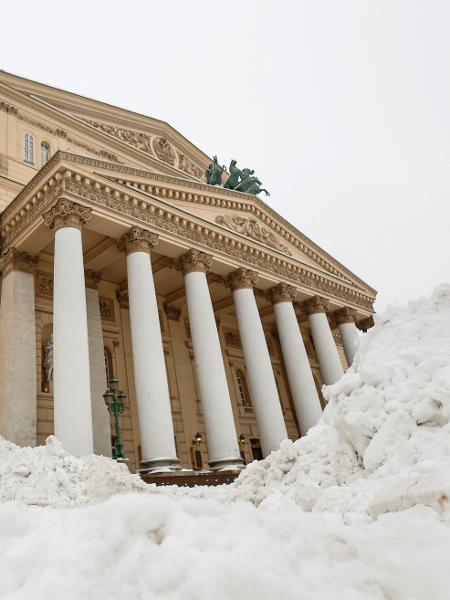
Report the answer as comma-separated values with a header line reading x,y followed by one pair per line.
x,y
185,306
126,252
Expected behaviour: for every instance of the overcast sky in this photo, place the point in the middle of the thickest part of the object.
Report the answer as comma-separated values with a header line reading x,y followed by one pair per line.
x,y
341,107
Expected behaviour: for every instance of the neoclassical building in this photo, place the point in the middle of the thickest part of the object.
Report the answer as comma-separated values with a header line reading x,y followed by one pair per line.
x,y
219,318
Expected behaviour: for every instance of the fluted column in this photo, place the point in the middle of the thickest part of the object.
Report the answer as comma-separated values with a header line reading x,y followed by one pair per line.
x,y
101,428
300,377
345,319
150,378
327,353
72,388
223,448
18,349
261,379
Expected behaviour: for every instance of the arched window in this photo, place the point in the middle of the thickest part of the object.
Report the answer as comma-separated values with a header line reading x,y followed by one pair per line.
x,y
243,388
45,153
28,148
108,364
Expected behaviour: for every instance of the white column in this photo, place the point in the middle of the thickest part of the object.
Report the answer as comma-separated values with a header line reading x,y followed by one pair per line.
x,y
150,377
261,379
100,417
71,377
326,350
345,319
223,448
18,349
300,377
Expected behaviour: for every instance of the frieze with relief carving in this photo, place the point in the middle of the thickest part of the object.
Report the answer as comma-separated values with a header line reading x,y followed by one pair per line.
x,y
154,146
164,150
252,229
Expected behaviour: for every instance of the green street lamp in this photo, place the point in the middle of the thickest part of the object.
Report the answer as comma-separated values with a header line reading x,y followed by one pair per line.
x,y
115,400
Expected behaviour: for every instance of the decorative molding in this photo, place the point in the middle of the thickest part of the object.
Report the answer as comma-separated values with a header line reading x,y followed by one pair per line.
x,y
122,298
242,278
365,324
251,228
92,279
8,108
164,150
106,308
15,260
315,305
173,312
232,338
137,240
195,261
44,285
282,292
344,315
66,213
185,164
150,145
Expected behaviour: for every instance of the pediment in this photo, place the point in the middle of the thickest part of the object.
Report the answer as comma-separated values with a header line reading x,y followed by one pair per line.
x,y
160,147
248,218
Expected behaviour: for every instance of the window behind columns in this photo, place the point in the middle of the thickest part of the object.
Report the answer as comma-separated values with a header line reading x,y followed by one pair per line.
x,y
108,364
243,388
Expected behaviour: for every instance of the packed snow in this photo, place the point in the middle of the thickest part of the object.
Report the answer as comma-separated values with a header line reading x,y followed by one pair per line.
x,y
358,509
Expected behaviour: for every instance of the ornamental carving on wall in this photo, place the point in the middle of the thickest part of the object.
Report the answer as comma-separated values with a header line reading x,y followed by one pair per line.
x,y
164,151
153,146
106,308
251,228
44,285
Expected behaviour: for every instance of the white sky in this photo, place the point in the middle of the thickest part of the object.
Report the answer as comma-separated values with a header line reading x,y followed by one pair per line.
x,y
341,107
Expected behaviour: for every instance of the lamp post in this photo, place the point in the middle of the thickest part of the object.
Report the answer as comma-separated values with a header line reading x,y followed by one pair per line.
x,y
115,400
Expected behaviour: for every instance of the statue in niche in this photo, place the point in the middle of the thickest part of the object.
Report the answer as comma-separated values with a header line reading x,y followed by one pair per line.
x,y
48,361
214,172
243,181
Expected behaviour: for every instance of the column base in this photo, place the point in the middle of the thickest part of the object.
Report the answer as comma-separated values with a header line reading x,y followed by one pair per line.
x,y
227,464
159,465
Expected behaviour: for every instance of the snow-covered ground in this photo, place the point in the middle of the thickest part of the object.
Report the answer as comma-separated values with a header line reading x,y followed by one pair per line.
x,y
357,509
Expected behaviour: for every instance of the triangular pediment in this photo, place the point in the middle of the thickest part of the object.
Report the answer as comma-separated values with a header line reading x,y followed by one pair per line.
x,y
248,218
140,139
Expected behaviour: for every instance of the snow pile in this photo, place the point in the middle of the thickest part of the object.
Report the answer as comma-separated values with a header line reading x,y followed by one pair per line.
x,y
358,509
384,441
48,475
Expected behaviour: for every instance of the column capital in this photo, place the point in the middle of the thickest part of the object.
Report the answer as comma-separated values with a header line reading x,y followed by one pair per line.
x,y
242,278
315,305
67,214
15,260
344,315
137,240
195,261
282,293
92,279
365,324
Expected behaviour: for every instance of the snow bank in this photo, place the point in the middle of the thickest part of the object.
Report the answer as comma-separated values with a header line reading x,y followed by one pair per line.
x,y
50,476
384,440
358,509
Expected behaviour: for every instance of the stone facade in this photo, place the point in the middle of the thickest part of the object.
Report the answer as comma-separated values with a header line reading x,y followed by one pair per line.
x,y
133,186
